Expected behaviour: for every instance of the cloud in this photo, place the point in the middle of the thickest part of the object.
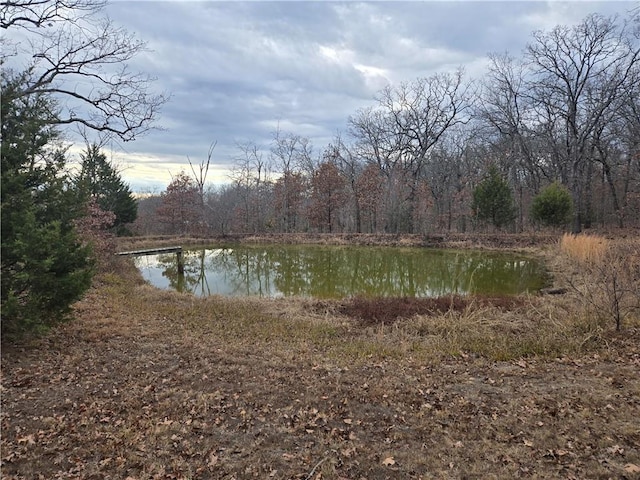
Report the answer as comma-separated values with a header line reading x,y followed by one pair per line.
x,y
237,71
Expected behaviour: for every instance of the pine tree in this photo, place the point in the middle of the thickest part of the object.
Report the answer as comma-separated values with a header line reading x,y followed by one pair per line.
x,y
493,200
100,181
45,267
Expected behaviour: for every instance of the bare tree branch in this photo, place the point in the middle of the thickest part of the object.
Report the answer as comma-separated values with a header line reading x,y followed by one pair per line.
x,y
33,14
81,59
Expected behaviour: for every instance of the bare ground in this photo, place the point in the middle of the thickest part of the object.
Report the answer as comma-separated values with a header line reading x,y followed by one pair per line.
x,y
146,384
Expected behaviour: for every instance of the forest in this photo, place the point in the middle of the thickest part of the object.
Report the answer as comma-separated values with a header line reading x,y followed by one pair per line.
x,y
564,113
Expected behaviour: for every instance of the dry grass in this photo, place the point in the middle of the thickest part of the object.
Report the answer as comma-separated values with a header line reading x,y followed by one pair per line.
x,y
149,384
586,249
451,240
604,275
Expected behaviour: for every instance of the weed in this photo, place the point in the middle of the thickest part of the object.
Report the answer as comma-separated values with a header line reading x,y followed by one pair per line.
x,y
608,275
372,311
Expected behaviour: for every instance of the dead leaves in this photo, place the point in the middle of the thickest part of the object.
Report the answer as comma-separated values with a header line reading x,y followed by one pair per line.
x,y
631,468
615,450
29,440
212,460
389,461
226,412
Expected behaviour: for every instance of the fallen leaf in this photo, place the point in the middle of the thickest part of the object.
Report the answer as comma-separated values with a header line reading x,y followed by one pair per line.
x,y
388,461
631,468
616,449
348,452
29,439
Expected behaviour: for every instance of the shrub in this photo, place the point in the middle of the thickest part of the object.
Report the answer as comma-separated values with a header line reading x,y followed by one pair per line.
x,y
608,281
553,206
387,310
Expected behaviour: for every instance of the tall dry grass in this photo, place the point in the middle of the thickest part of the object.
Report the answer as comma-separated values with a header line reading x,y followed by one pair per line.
x,y
586,249
606,276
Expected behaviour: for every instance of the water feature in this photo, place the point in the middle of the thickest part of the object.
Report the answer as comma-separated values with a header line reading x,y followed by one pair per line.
x,y
337,272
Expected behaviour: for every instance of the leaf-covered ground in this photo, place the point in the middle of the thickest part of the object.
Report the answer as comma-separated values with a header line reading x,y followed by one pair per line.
x,y
156,385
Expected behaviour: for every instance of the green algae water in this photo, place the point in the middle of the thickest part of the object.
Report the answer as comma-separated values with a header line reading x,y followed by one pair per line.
x,y
338,272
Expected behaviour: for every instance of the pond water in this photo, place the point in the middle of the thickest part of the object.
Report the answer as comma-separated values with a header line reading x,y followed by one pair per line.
x,y
338,272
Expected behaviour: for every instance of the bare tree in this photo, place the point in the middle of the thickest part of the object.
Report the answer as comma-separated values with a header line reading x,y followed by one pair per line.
x,y
290,156
508,119
627,129
376,144
200,179
221,201
81,58
577,75
32,14
178,210
250,177
327,196
369,190
420,112
409,121
350,166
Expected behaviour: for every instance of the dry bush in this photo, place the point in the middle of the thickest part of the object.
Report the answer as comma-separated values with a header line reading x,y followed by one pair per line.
x,y
508,329
607,280
93,229
377,310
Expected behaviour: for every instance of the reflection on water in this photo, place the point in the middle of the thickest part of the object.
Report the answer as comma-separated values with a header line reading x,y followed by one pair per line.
x,y
336,272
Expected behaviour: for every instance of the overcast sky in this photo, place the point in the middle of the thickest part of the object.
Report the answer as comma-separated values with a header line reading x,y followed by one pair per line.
x,y
238,70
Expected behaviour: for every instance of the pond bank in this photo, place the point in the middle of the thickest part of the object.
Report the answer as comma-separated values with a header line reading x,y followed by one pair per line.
x,y
519,241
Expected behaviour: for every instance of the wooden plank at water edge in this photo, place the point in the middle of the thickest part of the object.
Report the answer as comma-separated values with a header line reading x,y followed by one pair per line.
x,y
152,251
157,251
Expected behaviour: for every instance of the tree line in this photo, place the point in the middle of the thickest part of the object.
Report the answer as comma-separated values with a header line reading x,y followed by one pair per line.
x,y
552,135
565,113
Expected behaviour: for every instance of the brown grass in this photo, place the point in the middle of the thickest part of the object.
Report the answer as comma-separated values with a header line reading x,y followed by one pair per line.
x,y
372,311
586,249
604,275
450,240
149,384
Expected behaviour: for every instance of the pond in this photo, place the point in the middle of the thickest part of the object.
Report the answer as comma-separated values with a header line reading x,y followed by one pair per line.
x,y
338,272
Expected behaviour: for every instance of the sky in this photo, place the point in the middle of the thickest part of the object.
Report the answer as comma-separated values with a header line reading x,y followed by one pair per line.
x,y
238,71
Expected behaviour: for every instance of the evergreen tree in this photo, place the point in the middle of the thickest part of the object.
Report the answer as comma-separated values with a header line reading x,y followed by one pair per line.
x,y
100,181
552,206
44,266
493,200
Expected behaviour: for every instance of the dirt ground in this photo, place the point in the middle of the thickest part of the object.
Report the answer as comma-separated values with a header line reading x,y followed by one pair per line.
x,y
146,384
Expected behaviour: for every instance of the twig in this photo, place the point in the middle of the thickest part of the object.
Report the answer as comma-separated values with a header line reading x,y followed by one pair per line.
x,y
313,470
